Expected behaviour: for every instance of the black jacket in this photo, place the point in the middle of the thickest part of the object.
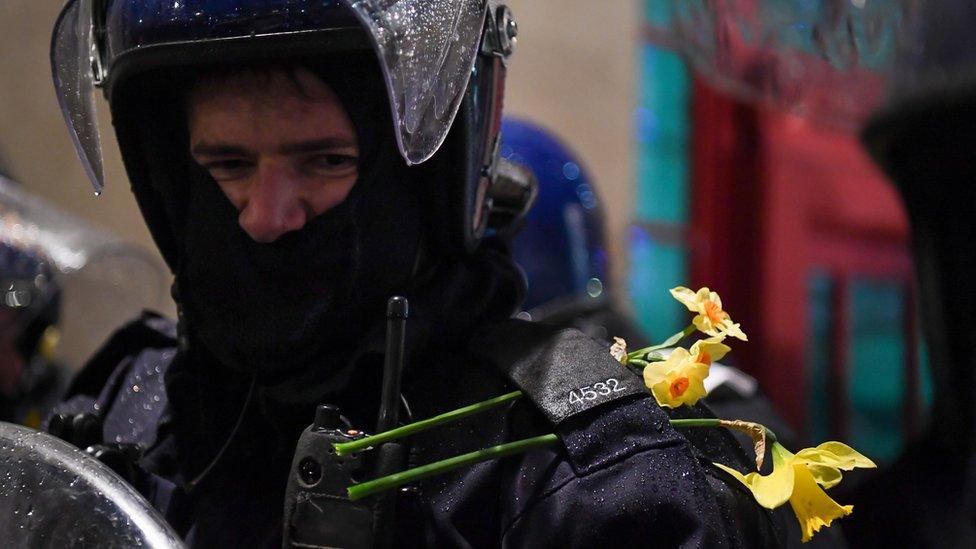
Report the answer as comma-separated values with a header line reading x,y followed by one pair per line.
x,y
622,475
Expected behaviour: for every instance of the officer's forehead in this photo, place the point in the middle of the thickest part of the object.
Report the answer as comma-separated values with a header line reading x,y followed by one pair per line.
x,y
259,80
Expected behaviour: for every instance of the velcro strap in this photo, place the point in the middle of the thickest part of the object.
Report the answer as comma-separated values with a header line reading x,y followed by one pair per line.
x,y
562,371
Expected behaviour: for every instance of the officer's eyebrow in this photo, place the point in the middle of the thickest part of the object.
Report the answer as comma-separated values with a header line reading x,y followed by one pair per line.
x,y
217,149
205,148
314,145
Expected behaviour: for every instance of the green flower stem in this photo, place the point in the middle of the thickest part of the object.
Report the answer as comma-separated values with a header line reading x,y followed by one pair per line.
x,y
369,488
705,422
638,363
639,358
715,422
669,342
345,448
359,491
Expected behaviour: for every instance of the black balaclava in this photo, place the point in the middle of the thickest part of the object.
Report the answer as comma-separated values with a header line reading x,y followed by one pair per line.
x,y
299,303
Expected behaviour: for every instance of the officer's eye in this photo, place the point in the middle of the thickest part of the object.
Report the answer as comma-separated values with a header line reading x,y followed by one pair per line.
x,y
228,169
337,164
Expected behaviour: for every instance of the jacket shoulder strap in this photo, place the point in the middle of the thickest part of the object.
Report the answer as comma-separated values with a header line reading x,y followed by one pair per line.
x,y
561,370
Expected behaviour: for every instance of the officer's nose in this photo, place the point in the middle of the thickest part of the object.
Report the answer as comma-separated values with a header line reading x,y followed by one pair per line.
x,y
274,206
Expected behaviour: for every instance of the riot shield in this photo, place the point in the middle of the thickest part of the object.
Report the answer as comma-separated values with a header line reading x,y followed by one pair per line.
x,y
53,495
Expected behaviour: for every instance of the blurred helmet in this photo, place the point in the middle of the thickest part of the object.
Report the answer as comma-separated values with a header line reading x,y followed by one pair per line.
x,y
56,269
29,296
561,246
441,62
28,311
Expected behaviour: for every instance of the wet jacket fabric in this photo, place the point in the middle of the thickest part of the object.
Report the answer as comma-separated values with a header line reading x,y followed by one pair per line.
x,y
621,474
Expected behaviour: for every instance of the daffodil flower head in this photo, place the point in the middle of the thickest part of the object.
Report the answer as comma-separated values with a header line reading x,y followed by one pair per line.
x,y
709,318
706,351
800,479
677,380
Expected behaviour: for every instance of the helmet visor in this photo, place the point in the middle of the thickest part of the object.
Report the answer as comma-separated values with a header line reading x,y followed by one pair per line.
x,y
71,64
426,51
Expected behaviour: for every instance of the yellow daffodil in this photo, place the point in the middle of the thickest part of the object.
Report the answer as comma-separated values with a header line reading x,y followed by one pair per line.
x,y
677,380
706,351
710,318
798,478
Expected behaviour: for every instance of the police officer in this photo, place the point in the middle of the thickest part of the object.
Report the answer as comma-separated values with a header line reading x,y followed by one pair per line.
x,y
298,162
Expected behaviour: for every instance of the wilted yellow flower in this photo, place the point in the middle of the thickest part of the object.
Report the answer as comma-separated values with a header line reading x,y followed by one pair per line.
x,y
710,318
798,479
677,380
619,350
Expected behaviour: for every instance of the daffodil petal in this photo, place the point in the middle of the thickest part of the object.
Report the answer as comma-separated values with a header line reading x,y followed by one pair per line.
x,y
834,454
775,488
739,476
704,325
813,507
696,385
732,329
844,451
826,476
677,356
712,347
697,371
771,490
686,297
662,393
705,294
654,373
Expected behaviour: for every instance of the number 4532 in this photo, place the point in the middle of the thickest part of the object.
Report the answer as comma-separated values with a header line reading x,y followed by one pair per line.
x,y
592,392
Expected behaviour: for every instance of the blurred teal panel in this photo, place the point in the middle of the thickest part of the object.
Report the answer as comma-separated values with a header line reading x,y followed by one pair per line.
x,y
664,91
661,123
662,195
817,367
876,381
655,268
658,12
662,126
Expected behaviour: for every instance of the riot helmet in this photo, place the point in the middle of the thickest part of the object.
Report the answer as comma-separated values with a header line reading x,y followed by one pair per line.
x,y
561,246
428,188
442,64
